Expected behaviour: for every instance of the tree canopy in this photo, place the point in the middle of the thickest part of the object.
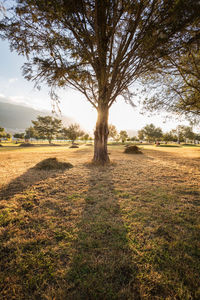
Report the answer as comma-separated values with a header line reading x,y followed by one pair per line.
x,y
72,132
152,133
176,84
2,132
112,131
47,127
123,135
98,47
18,135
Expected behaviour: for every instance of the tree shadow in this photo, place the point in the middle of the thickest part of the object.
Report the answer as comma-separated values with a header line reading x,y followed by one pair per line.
x,y
31,177
102,267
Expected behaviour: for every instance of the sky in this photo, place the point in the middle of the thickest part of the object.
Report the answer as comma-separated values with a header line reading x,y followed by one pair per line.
x,y
73,104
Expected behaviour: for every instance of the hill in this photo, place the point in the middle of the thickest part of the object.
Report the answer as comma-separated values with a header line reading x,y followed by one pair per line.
x,y
16,118
131,132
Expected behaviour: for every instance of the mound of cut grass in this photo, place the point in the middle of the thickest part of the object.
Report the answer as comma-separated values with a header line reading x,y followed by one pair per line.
x,y
132,149
52,164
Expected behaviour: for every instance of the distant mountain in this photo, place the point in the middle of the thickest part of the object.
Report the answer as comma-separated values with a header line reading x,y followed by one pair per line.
x,y
16,118
131,132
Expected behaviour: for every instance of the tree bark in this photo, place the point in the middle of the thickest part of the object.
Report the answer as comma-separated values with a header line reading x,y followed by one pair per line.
x,y
101,136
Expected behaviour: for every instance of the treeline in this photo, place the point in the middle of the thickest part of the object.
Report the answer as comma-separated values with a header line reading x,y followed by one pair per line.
x,y
50,128
151,133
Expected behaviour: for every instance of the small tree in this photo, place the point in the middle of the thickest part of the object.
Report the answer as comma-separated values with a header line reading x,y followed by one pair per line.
x,y
72,132
112,131
2,132
141,135
134,139
30,133
186,132
8,136
18,136
47,127
123,135
152,133
86,137
168,137
197,137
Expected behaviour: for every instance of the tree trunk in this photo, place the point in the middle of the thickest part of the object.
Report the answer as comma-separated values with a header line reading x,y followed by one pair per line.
x,y
101,136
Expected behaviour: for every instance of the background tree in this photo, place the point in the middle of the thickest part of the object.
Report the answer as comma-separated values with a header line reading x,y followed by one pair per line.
x,y
2,132
31,133
86,137
72,132
112,131
98,47
141,134
178,134
168,137
47,127
123,135
8,136
18,136
134,139
197,137
152,133
186,132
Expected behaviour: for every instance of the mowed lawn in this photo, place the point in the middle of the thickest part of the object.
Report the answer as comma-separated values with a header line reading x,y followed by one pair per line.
x,y
130,230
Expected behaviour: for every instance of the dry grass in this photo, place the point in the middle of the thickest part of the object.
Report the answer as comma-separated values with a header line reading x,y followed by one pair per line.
x,y
129,230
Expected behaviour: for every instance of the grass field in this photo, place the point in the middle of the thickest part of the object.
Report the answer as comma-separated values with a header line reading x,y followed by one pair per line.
x,y
129,230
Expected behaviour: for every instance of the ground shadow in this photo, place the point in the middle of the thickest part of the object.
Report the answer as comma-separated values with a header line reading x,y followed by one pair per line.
x,y
31,177
101,267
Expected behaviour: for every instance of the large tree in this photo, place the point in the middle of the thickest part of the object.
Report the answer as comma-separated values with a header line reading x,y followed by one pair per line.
x,y
97,47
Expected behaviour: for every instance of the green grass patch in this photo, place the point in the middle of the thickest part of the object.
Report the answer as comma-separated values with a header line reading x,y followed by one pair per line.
x,y
170,145
190,145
